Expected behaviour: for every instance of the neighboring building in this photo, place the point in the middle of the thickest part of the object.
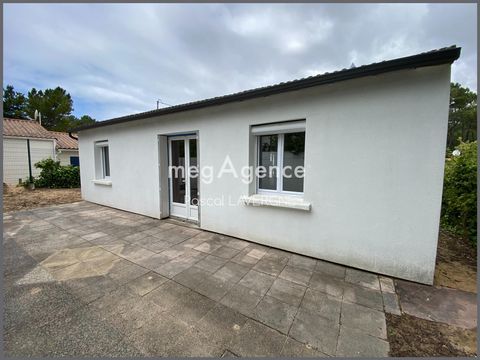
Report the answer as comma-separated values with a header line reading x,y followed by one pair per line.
x,y
372,140
18,133
67,148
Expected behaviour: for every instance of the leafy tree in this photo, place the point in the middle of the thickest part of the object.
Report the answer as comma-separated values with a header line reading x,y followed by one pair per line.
x,y
462,120
64,124
71,122
14,103
85,120
53,104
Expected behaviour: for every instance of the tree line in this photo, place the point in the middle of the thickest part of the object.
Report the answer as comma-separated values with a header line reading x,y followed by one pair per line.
x,y
462,119
55,105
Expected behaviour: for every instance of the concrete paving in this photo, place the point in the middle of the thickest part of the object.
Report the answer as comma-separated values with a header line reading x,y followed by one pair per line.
x,y
450,306
86,280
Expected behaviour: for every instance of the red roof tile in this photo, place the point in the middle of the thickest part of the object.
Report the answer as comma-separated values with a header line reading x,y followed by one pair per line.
x,y
25,128
32,129
64,141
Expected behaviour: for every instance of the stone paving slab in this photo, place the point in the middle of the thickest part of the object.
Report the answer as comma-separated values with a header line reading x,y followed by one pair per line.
x,y
86,280
275,314
370,321
296,275
287,291
355,343
322,304
450,306
256,339
315,330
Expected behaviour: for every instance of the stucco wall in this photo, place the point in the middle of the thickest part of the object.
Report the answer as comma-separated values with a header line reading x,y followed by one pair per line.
x,y
374,158
64,156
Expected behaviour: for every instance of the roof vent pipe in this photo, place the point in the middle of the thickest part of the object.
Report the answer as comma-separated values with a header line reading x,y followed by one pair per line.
x,y
38,116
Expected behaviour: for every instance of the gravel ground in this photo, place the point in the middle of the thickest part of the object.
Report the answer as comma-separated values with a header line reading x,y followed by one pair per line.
x,y
411,336
456,263
19,198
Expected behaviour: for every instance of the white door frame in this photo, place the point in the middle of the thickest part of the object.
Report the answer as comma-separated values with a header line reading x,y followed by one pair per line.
x,y
183,210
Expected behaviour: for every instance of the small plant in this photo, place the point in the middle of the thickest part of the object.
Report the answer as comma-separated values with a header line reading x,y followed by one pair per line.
x,y
54,175
26,183
459,203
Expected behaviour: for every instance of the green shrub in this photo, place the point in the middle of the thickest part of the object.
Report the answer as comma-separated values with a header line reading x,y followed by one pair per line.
x,y
54,175
459,203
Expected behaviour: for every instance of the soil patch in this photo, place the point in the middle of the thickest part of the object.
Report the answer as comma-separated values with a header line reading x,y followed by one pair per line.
x,y
412,336
456,263
19,198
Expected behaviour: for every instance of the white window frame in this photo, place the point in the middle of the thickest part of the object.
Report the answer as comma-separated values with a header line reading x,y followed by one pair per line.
x,y
100,145
279,129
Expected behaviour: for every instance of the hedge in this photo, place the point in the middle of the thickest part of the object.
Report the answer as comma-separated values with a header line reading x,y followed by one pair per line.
x,y
459,203
54,175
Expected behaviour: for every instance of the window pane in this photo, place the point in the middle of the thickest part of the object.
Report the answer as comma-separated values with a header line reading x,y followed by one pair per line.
x,y
178,171
106,161
193,180
74,161
268,159
293,156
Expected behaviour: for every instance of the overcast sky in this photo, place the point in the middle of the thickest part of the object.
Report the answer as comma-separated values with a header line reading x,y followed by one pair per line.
x,y
119,59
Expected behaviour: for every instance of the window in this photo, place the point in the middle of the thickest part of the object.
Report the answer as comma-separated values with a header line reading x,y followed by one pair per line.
x,y
74,161
102,160
281,157
105,162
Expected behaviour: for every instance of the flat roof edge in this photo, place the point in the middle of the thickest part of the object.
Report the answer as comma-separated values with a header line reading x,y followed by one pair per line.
x,y
436,57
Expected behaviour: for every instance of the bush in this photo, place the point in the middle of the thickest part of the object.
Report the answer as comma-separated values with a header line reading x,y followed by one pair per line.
x,y
54,175
459,203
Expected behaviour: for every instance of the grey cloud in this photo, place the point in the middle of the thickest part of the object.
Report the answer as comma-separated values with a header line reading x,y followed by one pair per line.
x,y
118,59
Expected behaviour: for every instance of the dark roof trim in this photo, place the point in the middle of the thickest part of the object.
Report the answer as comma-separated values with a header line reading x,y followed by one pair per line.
x,y
435,57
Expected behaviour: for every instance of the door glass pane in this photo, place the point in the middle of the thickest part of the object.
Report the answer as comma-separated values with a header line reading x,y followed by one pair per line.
x,y
193,172
177,171
268,159
293,156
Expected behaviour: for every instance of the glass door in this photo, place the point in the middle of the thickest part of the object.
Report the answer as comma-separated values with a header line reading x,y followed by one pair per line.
x,y
183,177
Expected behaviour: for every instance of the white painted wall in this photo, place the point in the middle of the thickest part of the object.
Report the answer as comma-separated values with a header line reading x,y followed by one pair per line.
x,y
15,157
64,156
374,160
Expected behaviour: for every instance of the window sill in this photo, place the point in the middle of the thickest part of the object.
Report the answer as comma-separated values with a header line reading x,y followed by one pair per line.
x,y
288,202
102,182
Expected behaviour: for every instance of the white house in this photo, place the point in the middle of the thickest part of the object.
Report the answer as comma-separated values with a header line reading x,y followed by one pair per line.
x,y
371,139
66,148
19,135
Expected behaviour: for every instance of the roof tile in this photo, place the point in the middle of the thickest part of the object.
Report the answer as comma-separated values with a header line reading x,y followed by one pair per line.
x,y
25,128
64,141
32,129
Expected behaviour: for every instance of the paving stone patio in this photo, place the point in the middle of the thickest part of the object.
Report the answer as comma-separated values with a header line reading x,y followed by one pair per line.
x,y
85,280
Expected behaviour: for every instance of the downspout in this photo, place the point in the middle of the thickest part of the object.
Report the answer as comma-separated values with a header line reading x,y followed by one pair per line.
x,y
30,177
55,149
